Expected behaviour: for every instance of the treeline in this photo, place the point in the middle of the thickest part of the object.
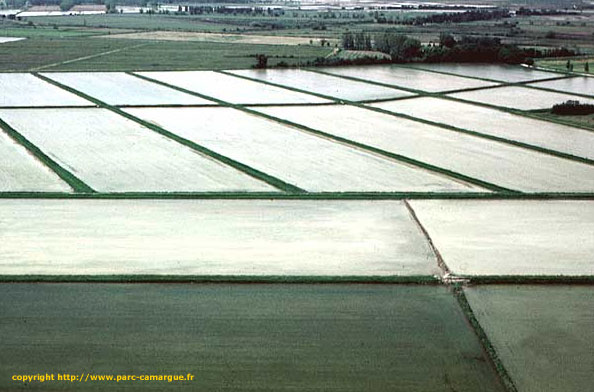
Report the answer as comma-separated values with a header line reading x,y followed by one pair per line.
x,y
207,9
399,46
573,108
449,17
543,11
449,49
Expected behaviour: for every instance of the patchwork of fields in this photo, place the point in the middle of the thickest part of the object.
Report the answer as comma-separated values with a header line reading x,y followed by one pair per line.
x,y
447,178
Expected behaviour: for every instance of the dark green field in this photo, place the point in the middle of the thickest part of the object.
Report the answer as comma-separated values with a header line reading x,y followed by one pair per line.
x,y
50,54
243,337
543,334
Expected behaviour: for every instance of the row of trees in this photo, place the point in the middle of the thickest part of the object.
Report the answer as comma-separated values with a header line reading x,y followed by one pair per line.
x,y
449,49
447,17
572,108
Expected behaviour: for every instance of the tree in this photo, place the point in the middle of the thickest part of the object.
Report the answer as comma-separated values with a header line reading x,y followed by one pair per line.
x,y
586,67
65,5
261,61
400,47
447,40
568,65
347,40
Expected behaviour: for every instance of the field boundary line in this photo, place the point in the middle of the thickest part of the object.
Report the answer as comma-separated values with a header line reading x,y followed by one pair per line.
x,y
499,139
214,105
445,96
74,182
275,182
443,267
486,344
397,157
42,67
300,196
47,107
529,279
245,279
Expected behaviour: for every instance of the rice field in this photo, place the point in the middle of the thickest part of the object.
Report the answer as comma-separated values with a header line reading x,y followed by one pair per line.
x,y
496,72
268,337
212,238
543,334
119,88
577,85
549,135
513,237
190,183
494,162
226,88
307,161
21,172
21,89
112,154
408,78
323,84
521,98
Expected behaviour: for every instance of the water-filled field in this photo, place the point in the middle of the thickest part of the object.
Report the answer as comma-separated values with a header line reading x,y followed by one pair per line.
x,y
497,72
20,171
408,78
20,89
118,88
513,237
297,157
213,237
324,84
549,135
522,98
230,88
113,154
578,85
494,162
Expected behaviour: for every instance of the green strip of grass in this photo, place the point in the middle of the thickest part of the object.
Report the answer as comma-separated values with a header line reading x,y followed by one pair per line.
x,y
394,279
300,196
277,183
47,107
530,279
484,339
74,182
